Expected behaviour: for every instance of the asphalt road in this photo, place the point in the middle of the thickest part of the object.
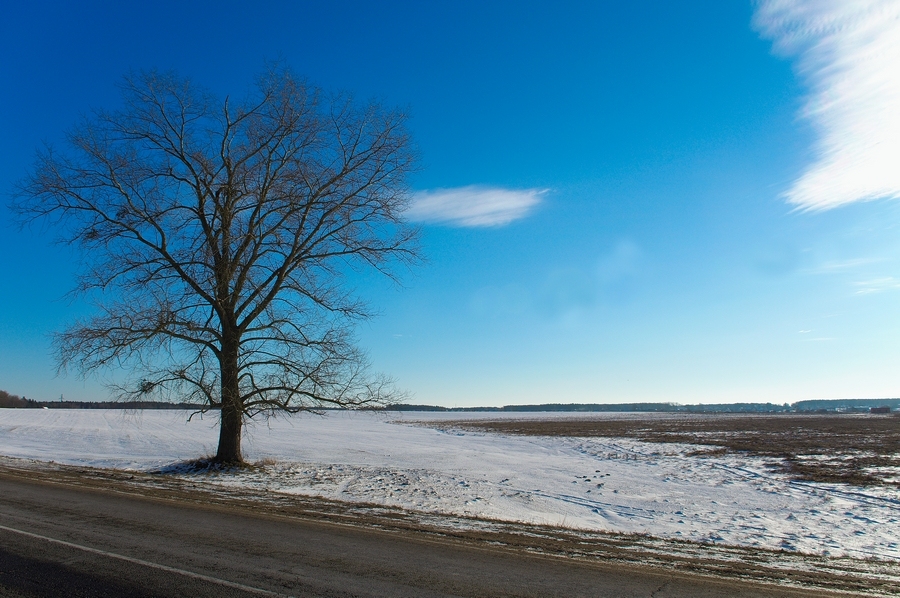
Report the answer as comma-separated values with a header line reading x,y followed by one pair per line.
x,y
60,540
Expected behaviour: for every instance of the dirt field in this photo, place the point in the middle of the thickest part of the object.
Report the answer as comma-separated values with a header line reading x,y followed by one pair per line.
x,y
858,449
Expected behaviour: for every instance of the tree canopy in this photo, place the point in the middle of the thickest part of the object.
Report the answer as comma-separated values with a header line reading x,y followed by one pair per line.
x,y
217,235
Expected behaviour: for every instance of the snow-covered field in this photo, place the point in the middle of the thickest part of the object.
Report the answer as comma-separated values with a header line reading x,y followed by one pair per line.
x,y
415,461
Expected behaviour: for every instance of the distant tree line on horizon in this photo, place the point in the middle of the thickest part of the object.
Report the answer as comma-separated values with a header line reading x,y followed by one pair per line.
x,y
8,400
811,405
11,400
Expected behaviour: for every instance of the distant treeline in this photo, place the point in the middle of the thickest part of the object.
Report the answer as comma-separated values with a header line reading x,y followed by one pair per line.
x,y
117,405
616,407
8,400
845,404
849,405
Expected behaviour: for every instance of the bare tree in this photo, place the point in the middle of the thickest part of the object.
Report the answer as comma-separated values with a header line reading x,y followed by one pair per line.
x,y
217,237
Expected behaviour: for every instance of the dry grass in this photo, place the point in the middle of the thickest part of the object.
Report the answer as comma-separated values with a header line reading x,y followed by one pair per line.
x,y
853,449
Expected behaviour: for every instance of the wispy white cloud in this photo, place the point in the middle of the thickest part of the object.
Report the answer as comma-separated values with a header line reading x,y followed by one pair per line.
x,y
877,285
840,266
473,205
849,52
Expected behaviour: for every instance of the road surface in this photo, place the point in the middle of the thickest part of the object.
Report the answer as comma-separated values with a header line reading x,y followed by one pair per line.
x,y
63,540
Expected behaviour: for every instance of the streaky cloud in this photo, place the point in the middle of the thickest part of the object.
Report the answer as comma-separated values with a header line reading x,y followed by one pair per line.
x,y
473,206
848,54
877,285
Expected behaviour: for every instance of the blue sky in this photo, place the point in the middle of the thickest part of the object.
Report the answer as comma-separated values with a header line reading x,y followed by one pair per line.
x,y
642,201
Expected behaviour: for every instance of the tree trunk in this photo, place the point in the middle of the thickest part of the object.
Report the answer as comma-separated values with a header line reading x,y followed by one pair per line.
x,y
232,417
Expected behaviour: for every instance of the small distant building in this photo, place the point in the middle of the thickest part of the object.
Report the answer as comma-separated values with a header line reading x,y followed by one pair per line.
x,y
880,410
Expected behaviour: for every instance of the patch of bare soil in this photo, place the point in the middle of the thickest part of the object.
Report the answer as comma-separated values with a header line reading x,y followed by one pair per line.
x,y
828,574
858,449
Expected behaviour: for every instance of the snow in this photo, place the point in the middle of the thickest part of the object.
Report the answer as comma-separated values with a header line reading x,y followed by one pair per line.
x,y
416,461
